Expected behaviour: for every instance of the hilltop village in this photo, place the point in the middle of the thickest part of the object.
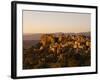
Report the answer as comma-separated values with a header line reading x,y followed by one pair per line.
x,y
54,51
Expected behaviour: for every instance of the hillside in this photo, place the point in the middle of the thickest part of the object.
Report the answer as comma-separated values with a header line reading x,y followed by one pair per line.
x,y
37,36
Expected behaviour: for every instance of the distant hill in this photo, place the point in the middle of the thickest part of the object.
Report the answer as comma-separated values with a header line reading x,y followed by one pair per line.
x,y
37,36
32,36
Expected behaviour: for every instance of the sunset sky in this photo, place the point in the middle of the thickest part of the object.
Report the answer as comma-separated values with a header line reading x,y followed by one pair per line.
x,y
51,22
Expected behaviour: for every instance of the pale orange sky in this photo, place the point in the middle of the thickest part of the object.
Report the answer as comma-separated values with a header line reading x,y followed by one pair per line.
x,y
51,22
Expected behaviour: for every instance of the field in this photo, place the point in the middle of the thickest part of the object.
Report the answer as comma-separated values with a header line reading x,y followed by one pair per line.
x,y
28,43
56,50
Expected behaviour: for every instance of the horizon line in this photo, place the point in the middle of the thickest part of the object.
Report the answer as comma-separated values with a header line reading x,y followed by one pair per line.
x,y
57,32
